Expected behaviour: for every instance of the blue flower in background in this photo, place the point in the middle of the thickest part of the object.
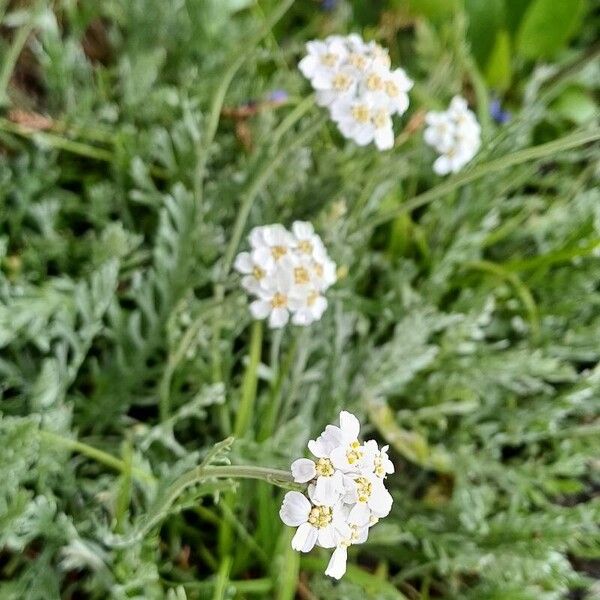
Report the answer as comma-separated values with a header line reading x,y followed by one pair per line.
x,y
278,96
497,113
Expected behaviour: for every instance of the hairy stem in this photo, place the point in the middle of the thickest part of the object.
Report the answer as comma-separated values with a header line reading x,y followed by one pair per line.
x,y
248,399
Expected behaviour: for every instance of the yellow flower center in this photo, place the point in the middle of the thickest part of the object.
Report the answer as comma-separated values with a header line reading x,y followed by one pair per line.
x,y
320,516
354,454
318,267
305,247
278,251
324,467
391,89
341,82
311,298
279,301
358,61
329,59
301,275
258,273
380,119
363,489
361,113
374,82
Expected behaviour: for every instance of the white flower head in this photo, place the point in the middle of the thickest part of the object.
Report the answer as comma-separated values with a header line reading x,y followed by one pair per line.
x,y
455,134
354,80
287,273
346,492
318,523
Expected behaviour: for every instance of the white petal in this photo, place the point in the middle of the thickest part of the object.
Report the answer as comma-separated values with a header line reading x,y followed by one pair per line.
x,y
340,460
305,538
251,284
442,165
259,309
337,563
326,537
278,318
380,501
303,470
328,490
318,448
350,425
262,257
384,137
295,509
243,263
303,230
359,514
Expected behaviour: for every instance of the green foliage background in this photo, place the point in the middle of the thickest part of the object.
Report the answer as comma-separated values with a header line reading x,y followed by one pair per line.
x,y
464,329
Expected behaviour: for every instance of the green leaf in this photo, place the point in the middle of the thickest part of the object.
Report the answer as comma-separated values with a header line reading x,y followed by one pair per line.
x,y
515,9
486,17
547,26
498,70
576,105
435,10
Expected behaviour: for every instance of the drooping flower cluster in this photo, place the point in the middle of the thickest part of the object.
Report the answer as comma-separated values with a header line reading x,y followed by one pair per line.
x,y
287,272
346,492
455,134
353,79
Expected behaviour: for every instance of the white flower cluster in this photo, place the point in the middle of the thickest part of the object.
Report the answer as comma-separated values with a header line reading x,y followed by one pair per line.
x,y
455,134
287,272
354,81
346,492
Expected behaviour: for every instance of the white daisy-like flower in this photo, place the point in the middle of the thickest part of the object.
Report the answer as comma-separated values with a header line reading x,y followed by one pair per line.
x,y
376,460
275,299
368,496
323,58
318,523
287,273
364,121
346,492
455,134
354,81
337,564
270,244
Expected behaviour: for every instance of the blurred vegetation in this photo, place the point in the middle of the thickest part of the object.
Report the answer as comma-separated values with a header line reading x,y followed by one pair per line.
x,y
464,330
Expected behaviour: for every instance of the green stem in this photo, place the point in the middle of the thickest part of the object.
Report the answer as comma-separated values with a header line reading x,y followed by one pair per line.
x,y
10,59
292,118
204,144
98,455
256,189
249,384
573,140
272,411
222,579
238,229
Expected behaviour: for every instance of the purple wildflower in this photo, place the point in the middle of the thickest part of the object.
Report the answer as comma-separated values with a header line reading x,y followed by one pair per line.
x,y
497,113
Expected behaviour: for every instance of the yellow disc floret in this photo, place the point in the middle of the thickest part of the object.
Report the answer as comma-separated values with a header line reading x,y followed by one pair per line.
x,y
279,301
278,251
354,454
361,113
324,467
364,489
301,275
320,516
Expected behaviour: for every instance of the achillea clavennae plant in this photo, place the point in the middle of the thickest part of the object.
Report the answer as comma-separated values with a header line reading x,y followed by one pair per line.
x,y
455,134
346,492
353,79
288,273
